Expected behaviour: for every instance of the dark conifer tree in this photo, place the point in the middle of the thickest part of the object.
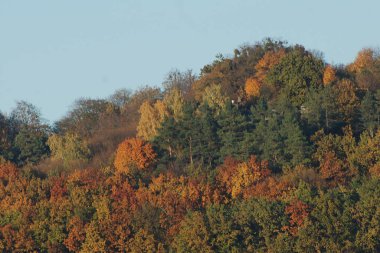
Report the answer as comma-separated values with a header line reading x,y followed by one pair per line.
x,y
370,113
233,127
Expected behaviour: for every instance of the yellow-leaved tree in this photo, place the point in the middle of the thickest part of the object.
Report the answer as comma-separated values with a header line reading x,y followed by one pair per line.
x,y
68,148
214,97
151,118
238,177
174,101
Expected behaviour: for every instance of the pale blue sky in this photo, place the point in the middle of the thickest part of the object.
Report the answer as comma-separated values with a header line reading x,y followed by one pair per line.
x,y
53,52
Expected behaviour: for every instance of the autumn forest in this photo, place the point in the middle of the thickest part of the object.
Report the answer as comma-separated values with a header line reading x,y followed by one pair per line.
x,y
267,149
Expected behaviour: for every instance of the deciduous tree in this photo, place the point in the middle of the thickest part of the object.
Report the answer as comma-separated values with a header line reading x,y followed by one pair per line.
x,y
152,115
133,154
329,75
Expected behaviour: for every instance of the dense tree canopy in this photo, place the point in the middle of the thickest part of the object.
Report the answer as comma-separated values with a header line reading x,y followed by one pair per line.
x,y
271,149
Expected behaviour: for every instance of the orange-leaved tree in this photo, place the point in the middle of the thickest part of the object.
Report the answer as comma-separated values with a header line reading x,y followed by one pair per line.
x,y
237,177
267,62
329,75
133,153
252,87
364,59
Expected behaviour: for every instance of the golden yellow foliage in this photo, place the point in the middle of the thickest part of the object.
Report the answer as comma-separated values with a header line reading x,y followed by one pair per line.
x,y
151,119
174,101
68,148
237,177
214,97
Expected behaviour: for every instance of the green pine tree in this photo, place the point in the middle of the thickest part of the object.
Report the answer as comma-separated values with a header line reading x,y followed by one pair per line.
x,y
233,127
370,113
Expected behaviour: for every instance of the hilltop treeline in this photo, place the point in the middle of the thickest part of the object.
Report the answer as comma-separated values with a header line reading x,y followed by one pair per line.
x,y
270,149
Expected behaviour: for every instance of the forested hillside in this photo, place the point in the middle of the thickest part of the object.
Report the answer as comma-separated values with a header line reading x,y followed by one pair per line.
x,y
269,149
